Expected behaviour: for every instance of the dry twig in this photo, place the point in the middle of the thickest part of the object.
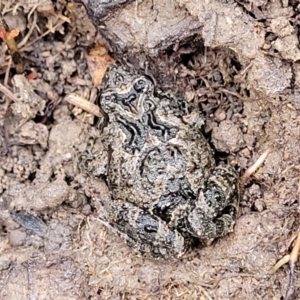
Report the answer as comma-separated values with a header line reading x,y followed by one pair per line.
x,y
28,45
254,167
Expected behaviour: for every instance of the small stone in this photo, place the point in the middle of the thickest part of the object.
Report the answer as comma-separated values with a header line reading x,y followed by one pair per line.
x,y
220,114
4,264
17,237
260,205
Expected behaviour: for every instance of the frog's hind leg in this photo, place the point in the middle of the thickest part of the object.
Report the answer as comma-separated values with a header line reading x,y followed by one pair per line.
x,y
145,232
216,207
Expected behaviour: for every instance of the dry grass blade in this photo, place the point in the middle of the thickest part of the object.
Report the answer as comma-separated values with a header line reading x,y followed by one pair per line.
x,y
8,93
284,260
28,35
83,104
8,35
293,259
255,166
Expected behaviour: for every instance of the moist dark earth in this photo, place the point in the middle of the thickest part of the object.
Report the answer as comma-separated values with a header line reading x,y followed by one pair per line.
x,y
239,70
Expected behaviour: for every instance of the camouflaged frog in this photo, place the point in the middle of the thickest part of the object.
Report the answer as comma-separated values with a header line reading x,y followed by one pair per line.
x,y
166,190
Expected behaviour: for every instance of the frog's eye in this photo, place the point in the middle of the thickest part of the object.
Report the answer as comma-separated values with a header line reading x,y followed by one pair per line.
x,y
110,98
119,79
140,85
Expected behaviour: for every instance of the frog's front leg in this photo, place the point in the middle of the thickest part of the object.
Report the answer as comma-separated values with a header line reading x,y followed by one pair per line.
x,y
94,160
145,232
216,207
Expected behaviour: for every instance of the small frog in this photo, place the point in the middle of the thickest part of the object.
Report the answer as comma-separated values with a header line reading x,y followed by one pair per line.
x,y
166,188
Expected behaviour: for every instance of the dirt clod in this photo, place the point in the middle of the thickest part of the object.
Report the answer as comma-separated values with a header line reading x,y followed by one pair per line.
x,y
227,137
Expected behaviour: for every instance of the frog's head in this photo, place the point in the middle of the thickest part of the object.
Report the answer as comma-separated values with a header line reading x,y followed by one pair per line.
x,y
124,91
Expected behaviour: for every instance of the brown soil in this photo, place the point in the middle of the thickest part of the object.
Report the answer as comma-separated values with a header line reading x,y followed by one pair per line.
x,y
52,244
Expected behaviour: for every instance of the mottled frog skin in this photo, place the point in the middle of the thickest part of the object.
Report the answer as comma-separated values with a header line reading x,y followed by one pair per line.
x,y
166,190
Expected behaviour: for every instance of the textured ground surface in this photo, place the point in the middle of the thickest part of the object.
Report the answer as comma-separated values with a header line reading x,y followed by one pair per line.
x,y
245,84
